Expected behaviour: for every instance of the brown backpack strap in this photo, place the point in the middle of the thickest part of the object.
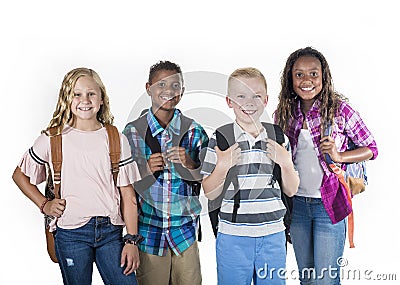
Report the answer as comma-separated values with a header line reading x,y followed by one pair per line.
x,y
56,159
114,145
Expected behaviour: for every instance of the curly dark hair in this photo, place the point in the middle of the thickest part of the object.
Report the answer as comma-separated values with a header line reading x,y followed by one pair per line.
x,y
164,65
288,99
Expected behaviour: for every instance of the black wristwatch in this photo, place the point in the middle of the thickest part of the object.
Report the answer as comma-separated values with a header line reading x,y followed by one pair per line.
x,y
133,239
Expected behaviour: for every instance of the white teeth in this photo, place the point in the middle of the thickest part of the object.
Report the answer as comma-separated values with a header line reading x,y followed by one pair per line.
x,y
249,112
307,88
167,98
84,108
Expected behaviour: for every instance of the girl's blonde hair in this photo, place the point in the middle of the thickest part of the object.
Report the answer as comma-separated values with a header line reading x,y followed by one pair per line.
x,y
288,99
247,72
63,113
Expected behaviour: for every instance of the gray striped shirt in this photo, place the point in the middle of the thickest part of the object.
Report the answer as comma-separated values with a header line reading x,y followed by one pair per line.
x,y
261,209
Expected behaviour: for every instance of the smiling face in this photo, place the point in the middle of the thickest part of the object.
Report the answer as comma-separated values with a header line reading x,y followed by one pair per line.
x,y
248,98
307,78
87,101
165,90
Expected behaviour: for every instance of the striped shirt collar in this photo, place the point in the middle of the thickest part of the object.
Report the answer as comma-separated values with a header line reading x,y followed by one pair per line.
x,y
174,125
242,135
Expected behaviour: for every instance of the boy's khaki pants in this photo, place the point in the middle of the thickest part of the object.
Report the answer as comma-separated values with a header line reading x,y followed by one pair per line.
x,y
170,269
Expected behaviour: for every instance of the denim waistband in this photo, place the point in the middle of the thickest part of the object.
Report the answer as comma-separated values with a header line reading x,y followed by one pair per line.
x,y
99,220
308,199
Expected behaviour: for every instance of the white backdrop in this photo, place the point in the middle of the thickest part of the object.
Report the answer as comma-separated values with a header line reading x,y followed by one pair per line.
x,y
43,40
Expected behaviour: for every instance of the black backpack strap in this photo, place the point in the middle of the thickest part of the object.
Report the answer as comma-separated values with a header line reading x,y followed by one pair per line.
x,y
276,133
191,177
224,138
143,129
186,122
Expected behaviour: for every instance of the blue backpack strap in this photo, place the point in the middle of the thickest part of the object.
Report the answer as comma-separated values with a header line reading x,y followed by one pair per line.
x,y
327,129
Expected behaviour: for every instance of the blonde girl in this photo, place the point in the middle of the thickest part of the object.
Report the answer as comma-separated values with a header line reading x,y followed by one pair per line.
x,y
92,211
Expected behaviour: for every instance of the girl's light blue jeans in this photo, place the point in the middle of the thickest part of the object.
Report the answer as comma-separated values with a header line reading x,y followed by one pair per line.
x,y
100,242
318,244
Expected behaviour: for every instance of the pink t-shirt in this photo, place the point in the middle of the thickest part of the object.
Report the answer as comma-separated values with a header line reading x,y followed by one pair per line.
x,y
86,180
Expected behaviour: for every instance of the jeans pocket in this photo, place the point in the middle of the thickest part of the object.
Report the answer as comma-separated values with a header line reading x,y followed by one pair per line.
x,y
113,232
115,228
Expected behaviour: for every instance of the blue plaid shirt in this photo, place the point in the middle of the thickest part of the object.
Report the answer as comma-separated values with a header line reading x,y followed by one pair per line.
x,y
168,210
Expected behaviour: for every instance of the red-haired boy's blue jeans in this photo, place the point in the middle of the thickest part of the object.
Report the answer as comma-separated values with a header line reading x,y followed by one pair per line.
x,y
100,242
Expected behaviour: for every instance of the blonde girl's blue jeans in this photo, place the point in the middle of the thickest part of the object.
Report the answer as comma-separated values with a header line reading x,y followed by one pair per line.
x,y
100,242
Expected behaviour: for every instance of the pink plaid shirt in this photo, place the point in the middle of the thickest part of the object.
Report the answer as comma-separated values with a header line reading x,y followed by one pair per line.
x,y
347,124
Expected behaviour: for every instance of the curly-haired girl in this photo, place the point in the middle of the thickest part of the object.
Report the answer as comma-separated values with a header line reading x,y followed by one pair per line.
x,y
308,104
